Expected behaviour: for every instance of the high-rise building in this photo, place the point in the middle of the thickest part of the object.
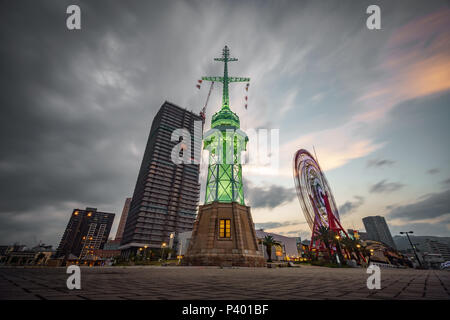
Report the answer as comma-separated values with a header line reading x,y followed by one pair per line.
x,y
86,231
378,230
166,194
123,219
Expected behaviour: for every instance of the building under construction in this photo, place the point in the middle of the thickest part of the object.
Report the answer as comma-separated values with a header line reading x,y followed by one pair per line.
x,y
166,194
86,231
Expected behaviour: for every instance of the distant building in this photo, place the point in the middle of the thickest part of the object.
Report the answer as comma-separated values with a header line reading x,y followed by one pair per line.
x,y
4,250
378,230
432,260
306,242
19,255
438,248
363,235
87,230
20,258
183,240
289,245
110,250
287,250
166,194
424,245
123,219
358,235
298,241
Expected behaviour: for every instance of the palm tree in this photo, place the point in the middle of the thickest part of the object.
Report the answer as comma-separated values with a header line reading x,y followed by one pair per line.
x,y
326,236
352,246
337,242
269,242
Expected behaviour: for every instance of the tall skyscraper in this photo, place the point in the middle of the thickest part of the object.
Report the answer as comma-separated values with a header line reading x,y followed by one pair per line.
x,y
123,219
87,230
166,194
378,230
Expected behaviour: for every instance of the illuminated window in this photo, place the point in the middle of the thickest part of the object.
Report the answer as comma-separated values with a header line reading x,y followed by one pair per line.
x,y
75,213
89,214
225,228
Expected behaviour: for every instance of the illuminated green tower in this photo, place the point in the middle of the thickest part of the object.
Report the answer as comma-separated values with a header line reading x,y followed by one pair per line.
x,y
225,142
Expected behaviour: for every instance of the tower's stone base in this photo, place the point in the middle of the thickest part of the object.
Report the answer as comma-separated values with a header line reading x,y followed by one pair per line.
x,y
207,248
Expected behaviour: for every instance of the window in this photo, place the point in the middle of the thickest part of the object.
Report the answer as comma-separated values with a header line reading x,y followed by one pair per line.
x,y
225,228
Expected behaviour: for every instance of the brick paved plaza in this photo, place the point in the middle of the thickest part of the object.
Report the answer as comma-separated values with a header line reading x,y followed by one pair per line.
x,y
140,283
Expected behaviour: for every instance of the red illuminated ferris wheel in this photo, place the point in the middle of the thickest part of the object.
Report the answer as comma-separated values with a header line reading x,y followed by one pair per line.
x,y
315,196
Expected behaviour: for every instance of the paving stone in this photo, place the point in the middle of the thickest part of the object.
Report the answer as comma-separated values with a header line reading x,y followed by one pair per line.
x,y
227,283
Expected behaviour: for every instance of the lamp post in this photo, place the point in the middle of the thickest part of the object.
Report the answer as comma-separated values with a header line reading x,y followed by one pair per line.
x,y
414,249
338,251
172,236
145,252
163,245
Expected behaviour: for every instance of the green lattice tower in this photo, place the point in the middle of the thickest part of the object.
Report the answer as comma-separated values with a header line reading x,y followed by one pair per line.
x,y
225,142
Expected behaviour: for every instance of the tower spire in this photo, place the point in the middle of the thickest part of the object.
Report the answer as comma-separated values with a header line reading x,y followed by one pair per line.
x,y
225,80
225,142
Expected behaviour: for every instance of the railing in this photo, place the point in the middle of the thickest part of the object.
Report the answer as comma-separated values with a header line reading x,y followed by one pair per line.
x,y
385,265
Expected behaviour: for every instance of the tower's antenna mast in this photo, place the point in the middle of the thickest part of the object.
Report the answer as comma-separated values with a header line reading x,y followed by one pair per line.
x,y
225,79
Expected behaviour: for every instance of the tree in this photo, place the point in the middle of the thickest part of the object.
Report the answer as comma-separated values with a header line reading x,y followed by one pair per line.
x,y
269,242
336,241
353,246
326,236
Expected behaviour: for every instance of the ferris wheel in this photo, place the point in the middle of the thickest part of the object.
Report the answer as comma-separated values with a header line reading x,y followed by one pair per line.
x,y
314,193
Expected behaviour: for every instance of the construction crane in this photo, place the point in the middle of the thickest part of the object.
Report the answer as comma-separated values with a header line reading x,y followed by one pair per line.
x,y
203,112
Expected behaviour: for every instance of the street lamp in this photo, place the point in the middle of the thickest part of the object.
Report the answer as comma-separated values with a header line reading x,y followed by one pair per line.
x,y
414,249
338,247
144,253
163,245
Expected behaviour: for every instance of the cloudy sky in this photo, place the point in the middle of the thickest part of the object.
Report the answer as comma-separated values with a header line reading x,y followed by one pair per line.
x,y
76,106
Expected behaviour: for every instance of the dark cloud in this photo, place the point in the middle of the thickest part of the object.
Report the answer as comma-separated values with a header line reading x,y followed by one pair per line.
x,y
431,206
385,187
274,225
350,206
77,105
296,233
76,111
446,182
270,196
379,163
433,171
